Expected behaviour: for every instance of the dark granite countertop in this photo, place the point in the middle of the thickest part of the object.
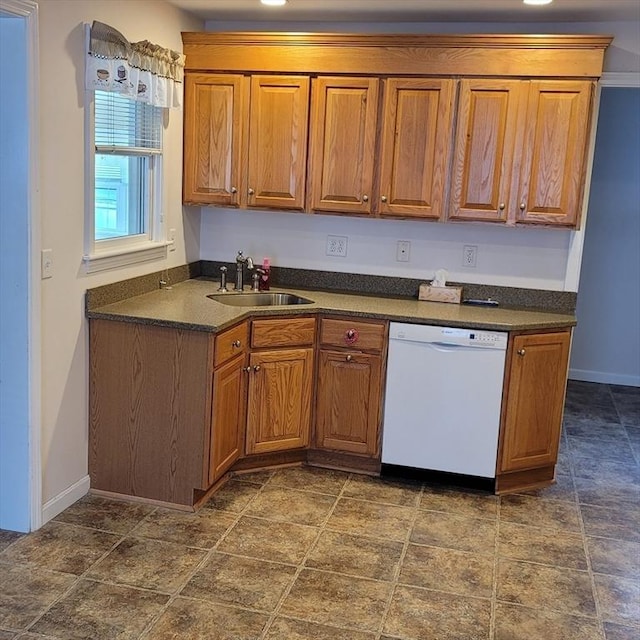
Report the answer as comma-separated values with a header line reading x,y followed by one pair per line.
x,y
185,305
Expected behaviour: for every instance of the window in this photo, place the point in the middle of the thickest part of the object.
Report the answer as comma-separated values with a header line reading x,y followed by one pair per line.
x,y
124,204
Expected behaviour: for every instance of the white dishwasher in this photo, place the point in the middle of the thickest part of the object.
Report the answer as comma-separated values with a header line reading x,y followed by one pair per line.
x,y
443,398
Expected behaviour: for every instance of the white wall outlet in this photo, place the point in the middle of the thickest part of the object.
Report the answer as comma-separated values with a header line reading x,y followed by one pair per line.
x,y
337,246
46,264
403,251
469,255
172,239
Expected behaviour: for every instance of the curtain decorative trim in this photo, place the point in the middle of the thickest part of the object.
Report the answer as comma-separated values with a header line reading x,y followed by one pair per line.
x,y
141,71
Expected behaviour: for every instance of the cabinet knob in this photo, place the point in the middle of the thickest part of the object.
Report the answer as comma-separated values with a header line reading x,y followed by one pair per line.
x,y
236,343
246,369
521,352
349,358
523,206
251,192
383,198
501,206
351,336
365,198
234,190
256,368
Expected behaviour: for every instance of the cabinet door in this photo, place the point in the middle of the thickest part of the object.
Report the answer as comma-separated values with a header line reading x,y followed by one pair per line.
x,y
552,174
348,402
228,417
213,126
279,400
417,136
534,400
343,132
279,115
484,149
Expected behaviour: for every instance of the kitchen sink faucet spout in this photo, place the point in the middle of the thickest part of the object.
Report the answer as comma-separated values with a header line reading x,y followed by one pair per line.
x,y
241,260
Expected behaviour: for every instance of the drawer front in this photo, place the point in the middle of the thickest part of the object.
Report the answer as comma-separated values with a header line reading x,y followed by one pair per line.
x,y
230,343
353,333
283,332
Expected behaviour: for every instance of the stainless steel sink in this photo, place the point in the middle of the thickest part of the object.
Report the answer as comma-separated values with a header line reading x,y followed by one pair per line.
x,y
262,299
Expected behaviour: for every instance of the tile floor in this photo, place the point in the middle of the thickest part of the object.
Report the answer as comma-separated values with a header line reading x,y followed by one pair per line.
x,y
309,554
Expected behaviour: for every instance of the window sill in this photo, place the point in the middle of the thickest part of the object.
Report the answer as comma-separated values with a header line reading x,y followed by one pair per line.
x,y
125,256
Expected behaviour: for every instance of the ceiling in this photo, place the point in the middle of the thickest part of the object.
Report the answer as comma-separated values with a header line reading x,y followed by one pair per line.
x,y
414,10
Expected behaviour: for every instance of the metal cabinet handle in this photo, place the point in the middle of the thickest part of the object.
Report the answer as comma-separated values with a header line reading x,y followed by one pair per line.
x,y
365,198
236,343
246,369
523,206
251,192
256,368
349,358
234,190
383,198
521,352
501,206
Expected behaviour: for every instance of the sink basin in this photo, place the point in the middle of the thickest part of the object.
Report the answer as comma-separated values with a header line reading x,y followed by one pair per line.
x,y
262,299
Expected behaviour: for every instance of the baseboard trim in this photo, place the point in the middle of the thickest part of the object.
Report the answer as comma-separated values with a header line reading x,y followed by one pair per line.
x,y
604,377
66,498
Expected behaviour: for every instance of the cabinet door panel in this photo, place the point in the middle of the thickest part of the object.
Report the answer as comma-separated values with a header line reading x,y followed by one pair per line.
x,y
278,141
554,149
484,148
279,409
343,135
417,134
214,116
348,402
535,400
228,419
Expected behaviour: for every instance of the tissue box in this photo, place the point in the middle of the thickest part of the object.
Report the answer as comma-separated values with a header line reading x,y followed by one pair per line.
x,y
440,294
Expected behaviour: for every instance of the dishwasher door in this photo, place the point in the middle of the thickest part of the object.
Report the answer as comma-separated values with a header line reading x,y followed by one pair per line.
x,y
443,399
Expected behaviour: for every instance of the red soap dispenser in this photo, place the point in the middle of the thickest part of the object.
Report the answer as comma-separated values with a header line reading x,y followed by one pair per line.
x,y
265,276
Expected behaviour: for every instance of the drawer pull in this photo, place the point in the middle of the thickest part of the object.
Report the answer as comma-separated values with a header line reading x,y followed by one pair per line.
x,y
351,336
236,343
256,368
349,358
521,352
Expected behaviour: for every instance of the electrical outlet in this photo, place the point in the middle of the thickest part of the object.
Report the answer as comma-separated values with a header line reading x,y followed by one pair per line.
x,y
46,264
337,246
403,251
469,255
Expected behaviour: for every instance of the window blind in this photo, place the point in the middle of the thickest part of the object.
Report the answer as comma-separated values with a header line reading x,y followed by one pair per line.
x,y
123,125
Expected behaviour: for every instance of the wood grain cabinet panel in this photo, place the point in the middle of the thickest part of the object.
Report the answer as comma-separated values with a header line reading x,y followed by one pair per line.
x,y
279,400
278,141
343,134
417,132
535,391
554,148
213,136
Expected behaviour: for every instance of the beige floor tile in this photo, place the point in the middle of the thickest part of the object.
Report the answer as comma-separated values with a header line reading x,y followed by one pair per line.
x,y
360,517
148,564
194,620
234,496
521,623
614,557
619,600
61,547
540,512
7,635
562,489
421,614
255,477
356,555
93,610
452,531
324,598
379,490
544,546
202,529
550,588
289,629
26,591
311,479
97,512
243,582
269,540
448,570
8,537
462,502
290,505
621,523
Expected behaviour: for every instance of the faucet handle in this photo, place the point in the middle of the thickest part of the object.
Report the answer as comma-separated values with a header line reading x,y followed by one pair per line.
x,y
223,279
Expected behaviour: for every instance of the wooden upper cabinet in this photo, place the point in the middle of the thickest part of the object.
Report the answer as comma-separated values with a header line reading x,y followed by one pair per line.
x,y
554,151
484,149
213,132
417,131
343,134
534,396
277,156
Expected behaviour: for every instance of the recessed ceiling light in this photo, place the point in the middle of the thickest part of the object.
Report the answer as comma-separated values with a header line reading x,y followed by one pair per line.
x,y
537,1
274,3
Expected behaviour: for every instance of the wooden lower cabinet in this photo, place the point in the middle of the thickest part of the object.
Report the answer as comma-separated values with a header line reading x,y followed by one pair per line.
x,y
534,395
279,400
348,402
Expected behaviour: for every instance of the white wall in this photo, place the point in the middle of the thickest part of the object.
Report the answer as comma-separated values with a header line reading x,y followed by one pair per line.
x,y
64,327
606,345
523,257
14,279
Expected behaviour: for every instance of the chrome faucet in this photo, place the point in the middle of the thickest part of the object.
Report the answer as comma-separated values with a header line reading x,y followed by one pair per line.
x,y
241,260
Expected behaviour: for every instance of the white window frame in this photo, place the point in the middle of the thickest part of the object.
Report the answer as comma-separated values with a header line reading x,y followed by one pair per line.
x,y
111,253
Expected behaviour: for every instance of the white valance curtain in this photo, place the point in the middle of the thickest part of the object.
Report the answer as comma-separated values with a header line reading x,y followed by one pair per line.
x,y
138,70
